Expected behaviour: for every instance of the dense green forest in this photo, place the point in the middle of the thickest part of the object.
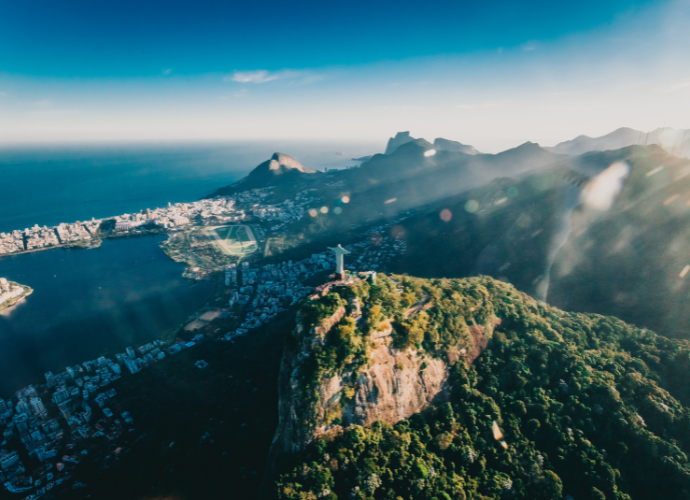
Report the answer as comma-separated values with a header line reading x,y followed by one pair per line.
x,y
559,405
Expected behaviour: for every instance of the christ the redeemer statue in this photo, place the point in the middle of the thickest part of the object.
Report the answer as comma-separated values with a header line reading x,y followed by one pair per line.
x,y
339,251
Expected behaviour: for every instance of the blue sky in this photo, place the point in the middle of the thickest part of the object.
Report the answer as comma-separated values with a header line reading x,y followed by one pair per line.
x,y
141,38
488,72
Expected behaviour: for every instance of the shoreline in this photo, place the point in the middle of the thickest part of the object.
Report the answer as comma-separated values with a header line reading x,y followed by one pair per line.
x,y
55,247
13,302
94,243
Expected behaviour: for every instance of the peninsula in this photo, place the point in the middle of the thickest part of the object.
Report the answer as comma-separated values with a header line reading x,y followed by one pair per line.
x,y
11,293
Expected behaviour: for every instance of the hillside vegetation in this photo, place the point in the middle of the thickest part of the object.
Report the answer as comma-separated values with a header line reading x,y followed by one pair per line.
x,y
558,405
624,260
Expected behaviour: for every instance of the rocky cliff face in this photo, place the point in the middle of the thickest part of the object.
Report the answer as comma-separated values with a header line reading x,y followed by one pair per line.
x,y
393,385
279,169
397,141
378,350
282,162
447,145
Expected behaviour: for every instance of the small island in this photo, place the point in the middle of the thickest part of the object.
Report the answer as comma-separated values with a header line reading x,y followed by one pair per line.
x,y
11,293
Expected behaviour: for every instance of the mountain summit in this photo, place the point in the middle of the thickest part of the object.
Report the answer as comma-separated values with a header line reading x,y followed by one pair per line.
x,y
675,141
280,169
280,164
442,144
397,141
456,389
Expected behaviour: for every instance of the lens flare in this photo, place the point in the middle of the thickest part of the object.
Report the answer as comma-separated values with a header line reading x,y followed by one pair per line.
x,y
655,171
345,199
602,191
671,199
398,232
446,215
313,212
472,206
324,210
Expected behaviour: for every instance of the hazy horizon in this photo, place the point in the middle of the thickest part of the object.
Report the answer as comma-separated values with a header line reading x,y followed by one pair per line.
x,y
490,78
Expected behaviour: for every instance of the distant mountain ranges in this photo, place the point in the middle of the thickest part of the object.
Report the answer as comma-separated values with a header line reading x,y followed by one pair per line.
x,y
518,215
282,169
675,141
454,385
439,144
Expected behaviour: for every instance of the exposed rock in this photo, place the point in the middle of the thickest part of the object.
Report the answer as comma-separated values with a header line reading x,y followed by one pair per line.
x,y
281,168
393,386
447,145
282,162
397,141
321,330
396,385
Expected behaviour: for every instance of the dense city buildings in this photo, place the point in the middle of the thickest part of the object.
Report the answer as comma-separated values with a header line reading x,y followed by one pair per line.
x,y
44,426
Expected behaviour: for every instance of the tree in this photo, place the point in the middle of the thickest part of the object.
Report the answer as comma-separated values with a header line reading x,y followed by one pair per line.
x,y
551,486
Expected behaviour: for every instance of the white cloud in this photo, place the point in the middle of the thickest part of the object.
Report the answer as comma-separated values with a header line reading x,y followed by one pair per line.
x,y
167,71
258,76
529,46
263,76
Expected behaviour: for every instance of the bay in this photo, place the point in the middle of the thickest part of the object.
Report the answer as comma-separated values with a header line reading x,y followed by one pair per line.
x,y
127,292
87,303
47,185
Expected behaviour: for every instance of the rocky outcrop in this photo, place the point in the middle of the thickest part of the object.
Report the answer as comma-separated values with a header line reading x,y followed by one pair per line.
x,y
394,385
324,390
280,169
280,162
447,145
397,141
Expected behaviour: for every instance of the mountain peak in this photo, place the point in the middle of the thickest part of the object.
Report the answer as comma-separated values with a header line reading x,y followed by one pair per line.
x,y
527,146
397,141
671,139
280,161
442,144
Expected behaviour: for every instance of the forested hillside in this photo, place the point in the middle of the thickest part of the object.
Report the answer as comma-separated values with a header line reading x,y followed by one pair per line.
x,y
541,233
558,405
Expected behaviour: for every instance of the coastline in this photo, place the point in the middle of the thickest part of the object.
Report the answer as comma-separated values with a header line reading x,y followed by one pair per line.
x,y
95,243
27,291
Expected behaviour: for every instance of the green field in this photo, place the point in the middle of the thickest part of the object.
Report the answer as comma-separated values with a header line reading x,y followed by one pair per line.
x,y
233,240
225,232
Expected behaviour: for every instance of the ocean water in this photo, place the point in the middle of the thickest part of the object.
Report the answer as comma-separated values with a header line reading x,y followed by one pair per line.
x,y
90,302
87,303
47,185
